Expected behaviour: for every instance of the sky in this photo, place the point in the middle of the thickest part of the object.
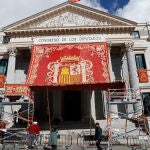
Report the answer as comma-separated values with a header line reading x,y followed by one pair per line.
x,y
15,10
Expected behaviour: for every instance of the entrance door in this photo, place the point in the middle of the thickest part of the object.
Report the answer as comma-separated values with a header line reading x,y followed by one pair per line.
x,y
72,105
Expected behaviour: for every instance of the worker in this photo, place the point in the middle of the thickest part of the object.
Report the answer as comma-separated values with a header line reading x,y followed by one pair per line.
x,y
33,131
98,136
53,138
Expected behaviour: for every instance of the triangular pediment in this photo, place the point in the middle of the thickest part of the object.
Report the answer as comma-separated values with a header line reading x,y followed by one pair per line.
x,y
71,19
69,15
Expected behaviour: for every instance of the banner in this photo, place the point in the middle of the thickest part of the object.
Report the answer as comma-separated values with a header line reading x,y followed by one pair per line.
x,y
143,76
68,64
2,81
16,90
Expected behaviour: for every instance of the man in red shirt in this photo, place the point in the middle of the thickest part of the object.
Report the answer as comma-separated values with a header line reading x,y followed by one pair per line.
x,y
34,131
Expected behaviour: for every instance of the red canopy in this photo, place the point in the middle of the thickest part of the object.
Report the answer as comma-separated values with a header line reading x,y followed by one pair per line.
x,y
69,65
98,86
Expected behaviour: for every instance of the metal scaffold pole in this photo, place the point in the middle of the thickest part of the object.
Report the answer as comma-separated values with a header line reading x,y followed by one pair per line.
x,y
48,103
109,123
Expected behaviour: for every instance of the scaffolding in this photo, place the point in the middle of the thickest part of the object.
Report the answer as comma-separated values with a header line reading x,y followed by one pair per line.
x,y
126,97
10,117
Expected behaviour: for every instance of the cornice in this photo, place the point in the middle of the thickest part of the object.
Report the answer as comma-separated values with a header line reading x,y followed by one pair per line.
x,y
71,30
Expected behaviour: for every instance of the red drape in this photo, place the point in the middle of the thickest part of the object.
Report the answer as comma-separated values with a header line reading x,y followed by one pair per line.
x,y
16,90
2,81
143,76
69,64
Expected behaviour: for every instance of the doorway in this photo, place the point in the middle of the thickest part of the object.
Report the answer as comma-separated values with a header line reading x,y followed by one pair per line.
x,y
72,105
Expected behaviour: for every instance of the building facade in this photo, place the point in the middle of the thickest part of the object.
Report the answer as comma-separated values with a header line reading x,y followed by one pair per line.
x,y
71,23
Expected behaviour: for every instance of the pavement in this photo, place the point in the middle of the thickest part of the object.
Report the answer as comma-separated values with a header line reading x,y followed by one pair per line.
x,y
73,147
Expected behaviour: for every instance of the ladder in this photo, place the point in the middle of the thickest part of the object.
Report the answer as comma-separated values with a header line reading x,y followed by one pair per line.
x,y
141,121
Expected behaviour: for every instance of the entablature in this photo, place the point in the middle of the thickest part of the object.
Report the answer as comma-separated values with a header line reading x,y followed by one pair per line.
x,y
71,30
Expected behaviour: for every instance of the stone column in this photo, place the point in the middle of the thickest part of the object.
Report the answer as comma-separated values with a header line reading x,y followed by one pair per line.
x,y
147,60
125,73
10,79
133,76
125,78
112,75
11,66
57,106
93,111
113,107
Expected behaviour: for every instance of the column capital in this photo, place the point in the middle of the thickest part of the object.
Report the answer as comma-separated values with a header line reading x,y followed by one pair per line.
x,y
128,45
12,51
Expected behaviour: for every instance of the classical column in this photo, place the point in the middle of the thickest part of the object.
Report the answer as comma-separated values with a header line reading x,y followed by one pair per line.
x,y
112,75
113,107
147,54
133,76
93,111
125,73
11,65
57,105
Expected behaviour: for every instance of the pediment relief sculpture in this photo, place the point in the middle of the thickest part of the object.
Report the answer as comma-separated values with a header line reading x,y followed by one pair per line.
x,y
71,19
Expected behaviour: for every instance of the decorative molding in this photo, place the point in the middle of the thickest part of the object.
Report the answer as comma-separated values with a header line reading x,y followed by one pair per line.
x,y
129,46
70,19
71,30
12,51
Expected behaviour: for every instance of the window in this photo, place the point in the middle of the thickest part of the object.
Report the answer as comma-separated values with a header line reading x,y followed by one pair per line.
x,y
3,66
140,61
135,34
6,39
146,103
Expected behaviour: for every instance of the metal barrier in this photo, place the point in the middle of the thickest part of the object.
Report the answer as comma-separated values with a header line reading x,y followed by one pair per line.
x,y
15,138
141,141
12,141
87,140
63,140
